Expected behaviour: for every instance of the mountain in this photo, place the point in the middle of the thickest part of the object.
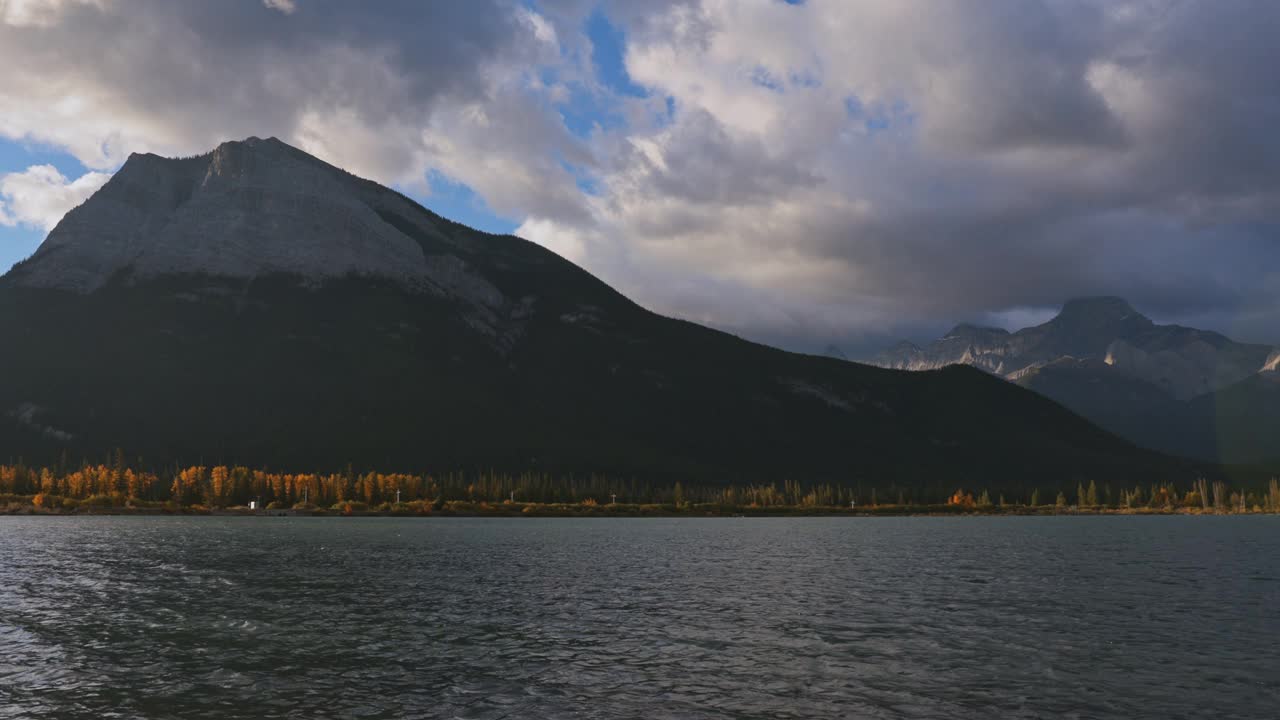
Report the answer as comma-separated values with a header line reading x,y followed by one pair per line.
x,y
259,306
1166,387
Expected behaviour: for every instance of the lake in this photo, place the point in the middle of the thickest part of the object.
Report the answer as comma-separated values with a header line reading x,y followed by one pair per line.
x,y
970,617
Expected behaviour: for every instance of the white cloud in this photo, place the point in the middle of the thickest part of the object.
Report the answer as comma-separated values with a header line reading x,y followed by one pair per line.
x,y
38,13
39,196
567,242
543,30
285,6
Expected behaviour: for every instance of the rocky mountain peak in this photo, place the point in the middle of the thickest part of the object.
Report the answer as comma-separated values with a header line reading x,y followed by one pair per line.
x,y
246,209
1103,310
1086,327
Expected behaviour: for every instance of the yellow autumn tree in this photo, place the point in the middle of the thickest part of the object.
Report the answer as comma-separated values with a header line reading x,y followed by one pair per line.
x,y
218,485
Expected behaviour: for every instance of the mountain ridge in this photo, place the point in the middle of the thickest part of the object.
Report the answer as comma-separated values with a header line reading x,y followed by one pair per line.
x,y
505,356
1160,380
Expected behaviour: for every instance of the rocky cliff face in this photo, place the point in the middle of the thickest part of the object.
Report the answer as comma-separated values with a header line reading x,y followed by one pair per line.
x,y
1273,362
981,347
1188,366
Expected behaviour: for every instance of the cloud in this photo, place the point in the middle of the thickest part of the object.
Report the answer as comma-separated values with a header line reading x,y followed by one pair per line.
x,y
41,13
39,196
870,167
564,241
288,7
829,171
195,74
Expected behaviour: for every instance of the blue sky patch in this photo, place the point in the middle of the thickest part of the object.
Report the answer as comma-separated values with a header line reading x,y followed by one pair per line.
x,y
460,203
16,156
608,43
879,117
17,243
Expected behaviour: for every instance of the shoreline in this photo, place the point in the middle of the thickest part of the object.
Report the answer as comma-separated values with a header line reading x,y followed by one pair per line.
x,y
537,510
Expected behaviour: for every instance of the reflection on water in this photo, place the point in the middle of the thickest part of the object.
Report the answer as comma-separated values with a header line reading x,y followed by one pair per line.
x,y
1121,617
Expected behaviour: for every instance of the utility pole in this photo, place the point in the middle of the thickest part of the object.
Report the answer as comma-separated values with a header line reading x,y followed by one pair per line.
x,y
397,496
513,497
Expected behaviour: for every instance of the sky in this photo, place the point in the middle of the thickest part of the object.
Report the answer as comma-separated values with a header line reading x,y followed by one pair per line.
x,y
805,173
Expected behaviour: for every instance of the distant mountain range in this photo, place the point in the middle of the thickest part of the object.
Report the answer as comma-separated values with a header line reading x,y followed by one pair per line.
x,y
256,305
1166,387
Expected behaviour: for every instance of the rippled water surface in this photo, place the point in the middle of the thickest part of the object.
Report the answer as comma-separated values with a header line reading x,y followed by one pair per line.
x,y
1118,617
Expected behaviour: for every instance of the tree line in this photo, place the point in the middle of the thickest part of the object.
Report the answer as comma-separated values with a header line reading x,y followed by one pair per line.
x,y
1202,495
222,486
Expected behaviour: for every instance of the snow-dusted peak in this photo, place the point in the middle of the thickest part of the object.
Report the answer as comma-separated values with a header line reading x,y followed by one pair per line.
x,y
246,209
